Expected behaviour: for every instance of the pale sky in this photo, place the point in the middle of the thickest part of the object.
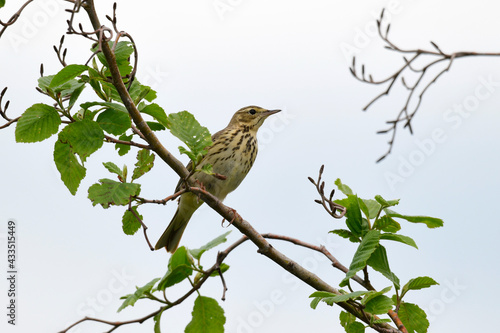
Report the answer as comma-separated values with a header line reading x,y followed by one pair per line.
x,y
74,259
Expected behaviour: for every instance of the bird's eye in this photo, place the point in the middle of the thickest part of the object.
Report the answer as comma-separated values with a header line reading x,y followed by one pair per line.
x,y
252,111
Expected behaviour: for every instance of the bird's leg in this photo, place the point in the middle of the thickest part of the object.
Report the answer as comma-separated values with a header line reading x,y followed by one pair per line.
x,y
235,214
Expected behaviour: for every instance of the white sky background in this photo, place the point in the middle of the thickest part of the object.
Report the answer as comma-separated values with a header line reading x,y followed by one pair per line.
x,y
279,54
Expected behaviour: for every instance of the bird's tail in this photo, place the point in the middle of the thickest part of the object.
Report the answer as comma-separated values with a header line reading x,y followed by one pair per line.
x,y
172,235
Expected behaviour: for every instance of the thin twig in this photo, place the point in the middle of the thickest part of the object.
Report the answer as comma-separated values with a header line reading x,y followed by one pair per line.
x,y
410,57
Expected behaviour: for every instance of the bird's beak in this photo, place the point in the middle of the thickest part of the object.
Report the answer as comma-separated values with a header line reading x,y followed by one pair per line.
x,y
270,112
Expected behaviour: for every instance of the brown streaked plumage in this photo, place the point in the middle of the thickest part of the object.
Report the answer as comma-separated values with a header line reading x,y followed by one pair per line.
x,y
232,155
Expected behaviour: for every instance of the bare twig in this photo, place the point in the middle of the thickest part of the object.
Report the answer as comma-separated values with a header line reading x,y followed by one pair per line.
x,y
409,67
13,18
129,143
144,226
3,111
327,202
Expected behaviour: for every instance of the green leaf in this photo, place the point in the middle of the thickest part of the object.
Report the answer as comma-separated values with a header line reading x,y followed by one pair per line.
x,y
84,137
430,222
372,294
418,283
113,121
355,327
399,238
37,123
179,268
123,50
110,105
113,168
72,172
2,3
184,126
223,267
379,262
343,188
122,148
346,318
139,293
368,245
413,318
208,317
157,112
387,224
386,203
74,96
145,161
66,74
207,168
369,207
354,220
138,92
330,298
379,305
346,234
130,224
155,126
109,192
213,243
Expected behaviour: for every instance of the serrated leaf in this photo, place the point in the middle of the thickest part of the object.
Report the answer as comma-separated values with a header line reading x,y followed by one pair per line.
x,y
84,137
122,148
368,245
419,283
355,327
346,318
179,268
343,188
184,126
354,220
196,253
113,168
387,224
130,224
346,234
379,304
113,121
138,92
110,105
379,262
66,74
72,172
139,293
372,208
399,238
386,203
145,161
109,192
74,96
37,123
372,294
430,222
208,317
413,318
155,126
157,112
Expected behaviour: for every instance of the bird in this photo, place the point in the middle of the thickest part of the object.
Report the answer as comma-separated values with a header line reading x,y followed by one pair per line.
x,y
232,154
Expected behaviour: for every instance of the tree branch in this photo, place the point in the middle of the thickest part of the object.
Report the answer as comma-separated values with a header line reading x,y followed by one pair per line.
x,y
409,67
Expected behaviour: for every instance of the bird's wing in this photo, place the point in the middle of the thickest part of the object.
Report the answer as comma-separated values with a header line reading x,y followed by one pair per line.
x,y
189,166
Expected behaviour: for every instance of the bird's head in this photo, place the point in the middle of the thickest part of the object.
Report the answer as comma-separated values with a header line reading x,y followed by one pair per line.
x,y
251,116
